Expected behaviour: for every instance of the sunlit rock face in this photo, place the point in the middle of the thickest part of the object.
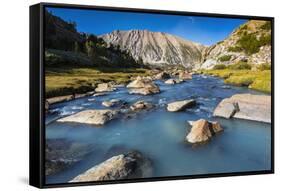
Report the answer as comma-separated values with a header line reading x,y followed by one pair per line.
x,y
157,48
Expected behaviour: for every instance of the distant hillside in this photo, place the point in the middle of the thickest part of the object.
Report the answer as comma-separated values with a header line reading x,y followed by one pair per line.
x,y
157,48
66,46
251,43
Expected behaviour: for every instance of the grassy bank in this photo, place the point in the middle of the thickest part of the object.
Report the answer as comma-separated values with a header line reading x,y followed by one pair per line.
x,y
257,79
66,81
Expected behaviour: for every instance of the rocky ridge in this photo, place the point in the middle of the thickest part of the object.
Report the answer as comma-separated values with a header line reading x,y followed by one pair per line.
x,y
157,49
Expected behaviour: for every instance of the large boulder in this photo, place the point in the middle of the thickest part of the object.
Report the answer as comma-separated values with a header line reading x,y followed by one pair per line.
x,y
143,86
226,109
202,130
91,116
105,87
245,106
124,166
180,105
141,105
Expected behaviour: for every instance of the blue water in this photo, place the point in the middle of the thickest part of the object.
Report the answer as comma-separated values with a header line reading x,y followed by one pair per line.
x,y
160,135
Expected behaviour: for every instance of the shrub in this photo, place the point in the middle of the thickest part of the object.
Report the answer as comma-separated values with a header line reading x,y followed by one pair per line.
x,y
240,66
265,40
219,67
224,58
264,66
245,27
266,26
249,43
234,49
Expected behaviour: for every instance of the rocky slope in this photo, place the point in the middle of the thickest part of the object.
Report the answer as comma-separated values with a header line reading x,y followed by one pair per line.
x,y
66,46
157,48
251,43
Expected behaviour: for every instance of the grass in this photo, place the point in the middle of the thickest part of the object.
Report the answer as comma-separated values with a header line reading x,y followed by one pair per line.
x,y
254,79
66,81
219,67
240,66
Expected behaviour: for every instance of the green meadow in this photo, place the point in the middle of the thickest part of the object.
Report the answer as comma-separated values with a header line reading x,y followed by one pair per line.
x,y
243,74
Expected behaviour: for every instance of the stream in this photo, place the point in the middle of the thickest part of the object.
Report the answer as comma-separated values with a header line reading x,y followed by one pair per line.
x,y
160,135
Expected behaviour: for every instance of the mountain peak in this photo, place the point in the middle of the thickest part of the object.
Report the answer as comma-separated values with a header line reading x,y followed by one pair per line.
x,y
157,48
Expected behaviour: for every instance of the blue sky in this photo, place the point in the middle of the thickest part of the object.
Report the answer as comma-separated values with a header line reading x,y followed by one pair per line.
x,y
205,30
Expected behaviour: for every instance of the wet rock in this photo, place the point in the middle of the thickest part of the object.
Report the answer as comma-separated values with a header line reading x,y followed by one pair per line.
x,y
143,86
141,105
99,94
124,166
162,76
91,99
61,154
119,85
170,81
180,105
142,91
76,96
60,99
47,106
178,81
226,87
94,117
203,130
111,103
173,81
105,87
245,106
185,75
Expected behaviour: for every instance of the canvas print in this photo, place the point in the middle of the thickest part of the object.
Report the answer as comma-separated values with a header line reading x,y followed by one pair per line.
x,y
132,95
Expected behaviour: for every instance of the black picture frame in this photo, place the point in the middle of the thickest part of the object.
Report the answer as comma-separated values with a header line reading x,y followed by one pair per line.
x,y
37,95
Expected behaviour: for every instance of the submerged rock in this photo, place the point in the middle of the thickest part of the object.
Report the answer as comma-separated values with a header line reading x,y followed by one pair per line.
x,y
141,105
245,106
173,81
124,166
170,81
99,94
94,117
202,130
144,86
105,87
180,105
111,103
178,81
61,153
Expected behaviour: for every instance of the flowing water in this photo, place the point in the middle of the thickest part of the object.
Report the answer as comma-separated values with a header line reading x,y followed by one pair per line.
x,y
160,135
